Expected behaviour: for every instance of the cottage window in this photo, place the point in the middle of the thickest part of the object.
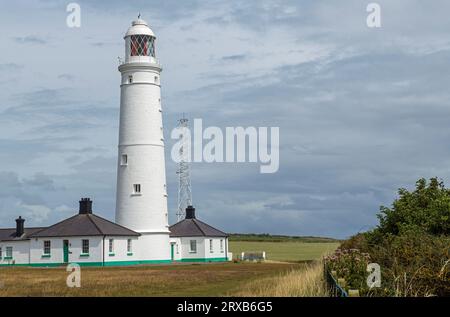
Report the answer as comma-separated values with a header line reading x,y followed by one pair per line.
x,y
47,247
85,246
193,246
211,248
9,253
129,246
0,253
221,245
111,245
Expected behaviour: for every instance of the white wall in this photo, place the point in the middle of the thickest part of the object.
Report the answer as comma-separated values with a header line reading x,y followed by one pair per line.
x,y
20,254
120,253
185,247
75,248
153,247
216,251
203,249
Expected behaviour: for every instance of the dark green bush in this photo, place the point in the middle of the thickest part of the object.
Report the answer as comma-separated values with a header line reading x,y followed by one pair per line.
x,y
411,244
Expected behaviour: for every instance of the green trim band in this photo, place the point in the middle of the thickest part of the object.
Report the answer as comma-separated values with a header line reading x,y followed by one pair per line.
x,y
125,263
203,260
94,264
122,263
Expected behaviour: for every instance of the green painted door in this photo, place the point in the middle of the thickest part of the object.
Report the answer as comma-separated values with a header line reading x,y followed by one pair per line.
x,y
172,251
66,251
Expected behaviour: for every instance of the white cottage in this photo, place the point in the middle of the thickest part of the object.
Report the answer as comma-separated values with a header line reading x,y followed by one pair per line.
x,y
192,240
85,238
90,240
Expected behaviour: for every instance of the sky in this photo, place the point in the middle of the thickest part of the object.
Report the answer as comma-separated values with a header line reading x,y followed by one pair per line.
x,y
361,111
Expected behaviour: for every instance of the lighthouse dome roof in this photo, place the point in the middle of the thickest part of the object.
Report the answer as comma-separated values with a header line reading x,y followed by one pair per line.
x,y
139,27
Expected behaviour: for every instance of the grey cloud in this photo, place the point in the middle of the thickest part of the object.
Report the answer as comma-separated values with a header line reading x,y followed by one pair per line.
x,y
68,77
30,39
361,112
40,180
235,58
10,67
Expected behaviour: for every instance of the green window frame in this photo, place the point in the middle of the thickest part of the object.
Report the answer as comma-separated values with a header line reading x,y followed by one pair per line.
x,y
85,246
47,247
129,247
9,252
111,246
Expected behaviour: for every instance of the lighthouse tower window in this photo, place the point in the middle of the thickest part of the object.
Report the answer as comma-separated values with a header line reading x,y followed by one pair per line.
x,y
130,79
137,189
124,159
142,45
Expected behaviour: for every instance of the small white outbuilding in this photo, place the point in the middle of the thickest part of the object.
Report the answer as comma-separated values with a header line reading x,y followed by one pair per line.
x,y
192,240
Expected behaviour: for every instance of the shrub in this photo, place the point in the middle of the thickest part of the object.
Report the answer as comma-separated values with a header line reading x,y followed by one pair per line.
x,y
411,244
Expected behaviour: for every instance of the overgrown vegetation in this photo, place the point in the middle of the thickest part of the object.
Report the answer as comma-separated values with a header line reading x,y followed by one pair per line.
x,y
300,282
411,244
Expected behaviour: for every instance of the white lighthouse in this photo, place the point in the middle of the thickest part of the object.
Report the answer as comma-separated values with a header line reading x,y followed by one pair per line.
x,y
141,202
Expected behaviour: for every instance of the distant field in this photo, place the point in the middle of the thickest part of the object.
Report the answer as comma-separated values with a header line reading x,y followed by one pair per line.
x,y
219,279
278,238
284,251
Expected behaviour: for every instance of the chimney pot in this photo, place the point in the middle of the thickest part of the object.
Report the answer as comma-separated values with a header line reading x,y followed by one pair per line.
x,y
20,226
85,206
190,212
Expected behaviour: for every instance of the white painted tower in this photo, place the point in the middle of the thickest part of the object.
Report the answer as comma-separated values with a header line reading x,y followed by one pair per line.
x,y
141,202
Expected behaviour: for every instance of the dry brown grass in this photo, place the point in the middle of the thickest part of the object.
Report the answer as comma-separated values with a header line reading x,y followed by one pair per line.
x,y
306,281
170,280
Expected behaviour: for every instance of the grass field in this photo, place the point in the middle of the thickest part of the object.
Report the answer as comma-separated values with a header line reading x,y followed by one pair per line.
x,y
219,279
284,251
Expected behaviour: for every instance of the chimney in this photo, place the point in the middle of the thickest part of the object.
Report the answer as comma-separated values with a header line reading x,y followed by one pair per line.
x,y
190,212
85,206
19,226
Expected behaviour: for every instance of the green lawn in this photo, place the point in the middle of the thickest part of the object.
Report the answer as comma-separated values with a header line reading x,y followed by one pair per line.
x,y
284,251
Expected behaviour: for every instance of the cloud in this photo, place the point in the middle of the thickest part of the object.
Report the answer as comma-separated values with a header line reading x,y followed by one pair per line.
x,y
361,111
10,67
30,39
234,58
68,77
